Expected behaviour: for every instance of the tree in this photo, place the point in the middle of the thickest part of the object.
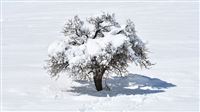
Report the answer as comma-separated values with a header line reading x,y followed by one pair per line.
x,y
96,48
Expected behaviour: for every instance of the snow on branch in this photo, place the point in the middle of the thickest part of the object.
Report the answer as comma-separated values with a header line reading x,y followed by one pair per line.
x,y
104,48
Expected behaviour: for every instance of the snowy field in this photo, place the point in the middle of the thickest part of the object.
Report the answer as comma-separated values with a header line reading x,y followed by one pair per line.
x,y
170,28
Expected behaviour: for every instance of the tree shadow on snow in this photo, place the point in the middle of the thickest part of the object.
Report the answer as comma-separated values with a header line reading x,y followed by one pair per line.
x,y
133,84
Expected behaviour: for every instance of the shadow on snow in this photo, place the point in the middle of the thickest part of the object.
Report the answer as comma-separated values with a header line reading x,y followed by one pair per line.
x,y
133,84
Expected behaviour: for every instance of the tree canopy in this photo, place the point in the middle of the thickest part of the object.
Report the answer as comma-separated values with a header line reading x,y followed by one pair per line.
x,y
96,47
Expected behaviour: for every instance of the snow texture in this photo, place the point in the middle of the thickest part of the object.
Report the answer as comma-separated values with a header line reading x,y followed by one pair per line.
x,y
171,29
93,47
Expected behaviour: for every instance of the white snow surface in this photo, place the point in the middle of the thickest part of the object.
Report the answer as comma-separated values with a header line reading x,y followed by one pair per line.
x,y
170,28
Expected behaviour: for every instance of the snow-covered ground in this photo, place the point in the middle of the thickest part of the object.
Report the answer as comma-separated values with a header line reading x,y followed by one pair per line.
x,y
170,28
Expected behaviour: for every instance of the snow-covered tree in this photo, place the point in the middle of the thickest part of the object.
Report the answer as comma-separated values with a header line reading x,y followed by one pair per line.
x,y
95,48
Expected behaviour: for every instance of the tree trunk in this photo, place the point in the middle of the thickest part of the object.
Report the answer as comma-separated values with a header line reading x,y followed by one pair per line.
x,y
98,78
98,83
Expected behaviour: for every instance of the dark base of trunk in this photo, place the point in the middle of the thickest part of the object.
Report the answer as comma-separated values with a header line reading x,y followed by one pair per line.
x,y
98,83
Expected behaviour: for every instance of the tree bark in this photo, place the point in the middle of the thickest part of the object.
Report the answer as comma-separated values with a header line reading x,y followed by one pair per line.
x,y
98,80
98,83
